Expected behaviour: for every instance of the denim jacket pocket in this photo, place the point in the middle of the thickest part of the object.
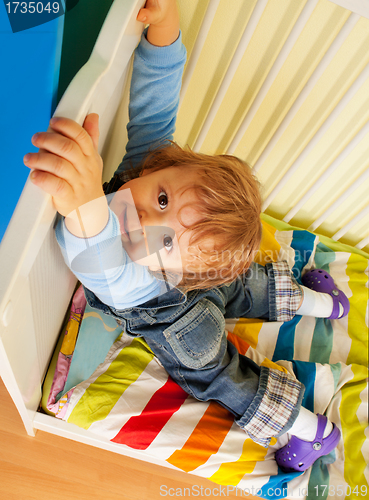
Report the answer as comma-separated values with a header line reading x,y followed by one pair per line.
x,y
196,338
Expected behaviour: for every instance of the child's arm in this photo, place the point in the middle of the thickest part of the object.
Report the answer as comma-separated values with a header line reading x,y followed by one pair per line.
x,y
69,168
155,86
101,265
68,165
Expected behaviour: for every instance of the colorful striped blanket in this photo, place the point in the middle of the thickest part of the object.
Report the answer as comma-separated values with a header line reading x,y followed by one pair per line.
x,y
124,395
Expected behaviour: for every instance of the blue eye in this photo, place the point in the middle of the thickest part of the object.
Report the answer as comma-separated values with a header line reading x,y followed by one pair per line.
x,y
163,200
168,242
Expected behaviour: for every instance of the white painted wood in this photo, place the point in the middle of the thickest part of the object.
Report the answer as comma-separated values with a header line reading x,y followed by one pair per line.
x,y
360,7
363,243
196,51
20,348
56,426
97,86
317,73
232,68
355,87
350,190
330,170
351,224
35,284
277,65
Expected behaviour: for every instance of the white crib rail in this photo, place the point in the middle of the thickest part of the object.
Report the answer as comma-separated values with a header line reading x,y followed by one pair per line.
x,y
357,10
35,284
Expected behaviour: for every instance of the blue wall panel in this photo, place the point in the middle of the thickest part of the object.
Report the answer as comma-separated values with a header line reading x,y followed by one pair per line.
x,y
30,62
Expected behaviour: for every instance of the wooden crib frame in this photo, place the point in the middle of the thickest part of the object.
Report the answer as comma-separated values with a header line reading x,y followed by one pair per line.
x,y
36,286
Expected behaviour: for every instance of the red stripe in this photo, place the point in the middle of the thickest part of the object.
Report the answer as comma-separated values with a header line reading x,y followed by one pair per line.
x,y
140,431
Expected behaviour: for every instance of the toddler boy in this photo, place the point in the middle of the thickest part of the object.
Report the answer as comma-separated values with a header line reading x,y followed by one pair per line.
x,y
170,257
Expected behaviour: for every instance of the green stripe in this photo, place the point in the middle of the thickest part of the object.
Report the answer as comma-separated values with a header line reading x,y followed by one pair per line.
x,y
319,479
323,257
322,342
102,395
336,370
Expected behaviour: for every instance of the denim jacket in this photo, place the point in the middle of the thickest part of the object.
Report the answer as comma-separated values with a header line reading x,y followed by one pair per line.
x,y
187,334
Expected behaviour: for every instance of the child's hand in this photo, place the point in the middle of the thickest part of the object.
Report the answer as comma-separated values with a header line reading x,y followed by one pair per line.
x,y
69,168
163,18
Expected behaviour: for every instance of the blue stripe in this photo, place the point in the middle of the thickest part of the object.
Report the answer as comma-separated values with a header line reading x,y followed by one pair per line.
x,y
277,486
284,348
306,373
303,243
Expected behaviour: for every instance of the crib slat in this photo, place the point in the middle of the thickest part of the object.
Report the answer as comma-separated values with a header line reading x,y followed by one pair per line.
x,y
232,68
317,73
351,224
363,243
319,134
340,200
199,44
358,6
277,65
336,163
331,52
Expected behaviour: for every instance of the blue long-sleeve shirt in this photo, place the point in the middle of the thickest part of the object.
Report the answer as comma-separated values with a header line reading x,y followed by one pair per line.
x,y
100,263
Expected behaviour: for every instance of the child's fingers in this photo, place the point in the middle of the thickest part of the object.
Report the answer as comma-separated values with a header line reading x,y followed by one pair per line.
x,y
74,131
53,164
142,16
61,146
148,16
91,125
51,184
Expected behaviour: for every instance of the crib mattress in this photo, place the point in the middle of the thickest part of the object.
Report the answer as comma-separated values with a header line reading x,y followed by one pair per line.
x,y
114,386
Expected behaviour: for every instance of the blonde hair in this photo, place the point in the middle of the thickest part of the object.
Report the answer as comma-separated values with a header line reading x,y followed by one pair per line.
x,y
229,205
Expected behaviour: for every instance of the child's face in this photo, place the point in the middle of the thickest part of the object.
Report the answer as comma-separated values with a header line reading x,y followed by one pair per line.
x,y
152,225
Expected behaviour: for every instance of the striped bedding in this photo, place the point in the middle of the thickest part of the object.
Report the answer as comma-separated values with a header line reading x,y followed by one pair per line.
x,y
125,395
